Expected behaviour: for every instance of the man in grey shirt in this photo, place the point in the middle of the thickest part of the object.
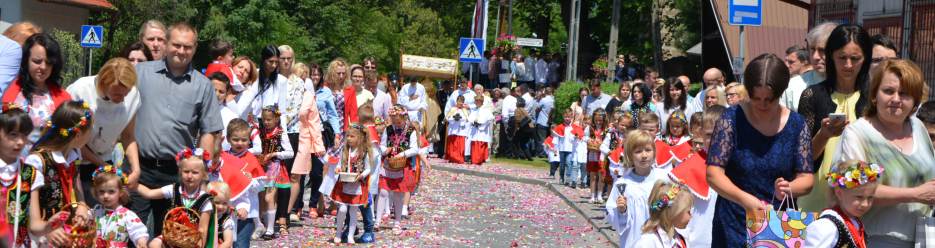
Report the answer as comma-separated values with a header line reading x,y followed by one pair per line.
x,y
177,108
596,99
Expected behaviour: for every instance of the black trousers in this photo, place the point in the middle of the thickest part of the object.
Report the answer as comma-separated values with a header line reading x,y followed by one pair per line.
x,y
154,174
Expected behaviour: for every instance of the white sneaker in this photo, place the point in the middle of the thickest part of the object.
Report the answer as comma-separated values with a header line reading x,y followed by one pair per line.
x,y
294,218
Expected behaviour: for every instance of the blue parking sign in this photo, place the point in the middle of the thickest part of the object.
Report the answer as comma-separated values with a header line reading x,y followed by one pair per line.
x,y
745,12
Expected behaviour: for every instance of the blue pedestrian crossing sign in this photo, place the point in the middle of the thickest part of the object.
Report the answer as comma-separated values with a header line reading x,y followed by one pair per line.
x,y
471,50
745,12
91,36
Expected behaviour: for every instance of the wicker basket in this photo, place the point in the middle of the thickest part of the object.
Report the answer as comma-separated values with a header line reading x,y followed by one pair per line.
x,y
594,146
181,235
396,164
81,236
347,177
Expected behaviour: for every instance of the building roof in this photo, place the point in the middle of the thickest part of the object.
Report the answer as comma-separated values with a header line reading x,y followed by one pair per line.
x,y
89,4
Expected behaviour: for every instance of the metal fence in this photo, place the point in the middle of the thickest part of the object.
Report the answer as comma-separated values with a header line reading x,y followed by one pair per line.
x,y
913,30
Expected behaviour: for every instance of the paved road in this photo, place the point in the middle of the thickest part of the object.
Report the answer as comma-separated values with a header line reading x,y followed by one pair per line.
x,y
456,210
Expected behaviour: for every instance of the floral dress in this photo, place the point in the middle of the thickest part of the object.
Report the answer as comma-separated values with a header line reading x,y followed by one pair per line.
x,y
117,228
295,89
753,161
28,180
39,112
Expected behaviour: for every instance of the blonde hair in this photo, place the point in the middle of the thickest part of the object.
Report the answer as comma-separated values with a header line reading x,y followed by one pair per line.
x,y
664,217
21,31
363,148
221,188
116,70
741,90
332,73
637,138
299,69
721,97
648,117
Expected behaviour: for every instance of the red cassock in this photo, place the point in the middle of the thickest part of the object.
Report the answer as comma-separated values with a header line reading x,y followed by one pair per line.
x,y
455,149
479,152
238,173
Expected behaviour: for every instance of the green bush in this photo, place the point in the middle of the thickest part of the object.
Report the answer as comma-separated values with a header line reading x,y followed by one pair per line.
x,y
567,93
72,55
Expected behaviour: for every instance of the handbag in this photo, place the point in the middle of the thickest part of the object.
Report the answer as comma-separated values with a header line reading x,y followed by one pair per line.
x,y
327,136
925,232
782,228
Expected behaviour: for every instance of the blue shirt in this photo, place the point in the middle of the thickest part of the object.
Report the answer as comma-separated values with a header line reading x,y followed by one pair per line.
x,y
11,55
324,98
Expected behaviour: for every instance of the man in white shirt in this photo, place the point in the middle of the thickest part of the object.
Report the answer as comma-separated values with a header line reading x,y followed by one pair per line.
x,y
412,97
381,101
597,99
816,38
711,77
543,111
11,55
528,97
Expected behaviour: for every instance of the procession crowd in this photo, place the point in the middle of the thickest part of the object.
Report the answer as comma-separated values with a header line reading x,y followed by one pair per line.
x,y
152,152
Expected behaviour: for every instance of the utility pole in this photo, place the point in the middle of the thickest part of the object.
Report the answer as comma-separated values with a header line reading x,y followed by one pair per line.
x,y
657,39
510,28
571,69
612,45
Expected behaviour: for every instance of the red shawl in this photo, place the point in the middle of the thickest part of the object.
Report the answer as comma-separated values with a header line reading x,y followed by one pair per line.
x,y
58,94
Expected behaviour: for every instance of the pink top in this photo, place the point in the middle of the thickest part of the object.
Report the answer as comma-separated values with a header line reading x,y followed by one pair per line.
x,y
310,140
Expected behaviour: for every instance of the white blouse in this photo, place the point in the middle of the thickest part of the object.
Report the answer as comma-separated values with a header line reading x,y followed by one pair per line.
x,y
822,233
110,119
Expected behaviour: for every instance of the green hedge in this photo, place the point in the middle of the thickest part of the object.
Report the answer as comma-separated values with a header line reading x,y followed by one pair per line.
x,y
567,93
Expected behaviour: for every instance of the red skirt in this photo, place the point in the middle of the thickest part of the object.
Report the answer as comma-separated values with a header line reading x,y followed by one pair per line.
x,y
595,166
479,152
340,196
605,170
454,150
407,183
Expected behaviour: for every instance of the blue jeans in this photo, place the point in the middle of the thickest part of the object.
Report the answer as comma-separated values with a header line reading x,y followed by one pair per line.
x,y
565,161
245,228
583,171
366,213
572,172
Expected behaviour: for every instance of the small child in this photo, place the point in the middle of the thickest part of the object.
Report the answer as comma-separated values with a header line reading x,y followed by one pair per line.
x,y
248,203
223,213
189,193
676,133
457,117
853,184
594,137
480,120
15,126
612,146
693,173
670,207
55,155
356,155
627,206
927,115
551,151
568,134
695,123
222,52
117,226
649,122
276,149
580,180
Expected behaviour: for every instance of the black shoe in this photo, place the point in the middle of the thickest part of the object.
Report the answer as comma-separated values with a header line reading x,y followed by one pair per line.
x,y
267,237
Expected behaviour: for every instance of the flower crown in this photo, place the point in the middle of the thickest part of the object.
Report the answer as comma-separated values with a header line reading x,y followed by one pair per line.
x,y
679,115
272,108
666,199
357,126
396,110
198,152
110,169
11,106
64,132
854,176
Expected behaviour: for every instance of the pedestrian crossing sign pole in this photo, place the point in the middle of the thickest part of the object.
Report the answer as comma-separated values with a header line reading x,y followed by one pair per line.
x,y
91,37
471,50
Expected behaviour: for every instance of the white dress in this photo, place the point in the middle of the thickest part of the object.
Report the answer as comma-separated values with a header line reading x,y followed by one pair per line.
x,y
119,226
629,224
660,239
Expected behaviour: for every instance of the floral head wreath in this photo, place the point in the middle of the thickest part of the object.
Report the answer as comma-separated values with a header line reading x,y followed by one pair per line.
x,y
198,152
65,131
854,176
110,169
679,116
272,108
396,110
666,199
11,106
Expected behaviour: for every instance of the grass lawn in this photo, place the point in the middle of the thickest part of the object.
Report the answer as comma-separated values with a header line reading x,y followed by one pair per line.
x,y
537,163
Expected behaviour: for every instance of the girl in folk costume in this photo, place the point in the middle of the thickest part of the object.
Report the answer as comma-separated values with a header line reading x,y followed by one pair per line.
x,y
54,156
457,118
692,172
354,158
400,145
853,184
673,147
568,134
276,149
189,192
117,226
594,136
480,121
670,207
628,205
612,146
16,180
676,129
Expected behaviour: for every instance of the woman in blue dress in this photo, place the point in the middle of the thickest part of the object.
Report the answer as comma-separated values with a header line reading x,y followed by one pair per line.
x,y
760,151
